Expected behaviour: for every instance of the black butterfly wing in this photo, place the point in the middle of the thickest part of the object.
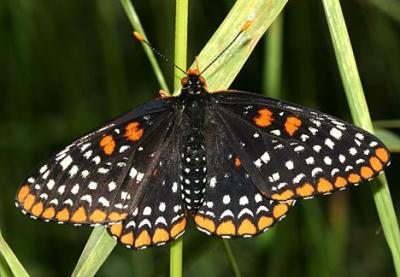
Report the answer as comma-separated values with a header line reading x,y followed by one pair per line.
x,y
97,178
233,205
296,152
159,215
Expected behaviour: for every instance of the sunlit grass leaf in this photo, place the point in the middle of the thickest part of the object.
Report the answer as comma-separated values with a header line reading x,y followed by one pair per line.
x,y
96,251
9,263
360,113
390,139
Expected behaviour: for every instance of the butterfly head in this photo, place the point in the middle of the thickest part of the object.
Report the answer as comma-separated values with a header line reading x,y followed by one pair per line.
x,y
193,83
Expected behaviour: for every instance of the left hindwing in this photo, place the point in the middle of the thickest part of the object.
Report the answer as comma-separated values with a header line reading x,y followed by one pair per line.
x,y
296,152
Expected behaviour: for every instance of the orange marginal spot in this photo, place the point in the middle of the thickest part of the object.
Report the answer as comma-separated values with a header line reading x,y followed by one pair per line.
x,y
49,213
354,178
116,229
28,202
376,164
79,215
283,196
324,185
292,124
366,172
178,228
264,118
133,131
382,154
237,162
247,228
305,190
63,215
265,222
114,216
143,239
127,238
280,210
226,228
160,235
37,209
108,144
22,193
205,223
340,182
97,216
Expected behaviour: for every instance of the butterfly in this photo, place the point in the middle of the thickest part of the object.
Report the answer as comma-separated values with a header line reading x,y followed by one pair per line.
x,y
235,162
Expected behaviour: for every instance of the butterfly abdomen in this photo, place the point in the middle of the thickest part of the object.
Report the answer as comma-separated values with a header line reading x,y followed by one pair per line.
x,y
193,171
193,152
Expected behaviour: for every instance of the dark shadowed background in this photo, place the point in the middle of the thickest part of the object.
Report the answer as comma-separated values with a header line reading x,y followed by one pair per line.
x,y
69,66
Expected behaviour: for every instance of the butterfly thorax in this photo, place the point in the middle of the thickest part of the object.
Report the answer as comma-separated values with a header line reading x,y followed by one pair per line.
x,y
193,153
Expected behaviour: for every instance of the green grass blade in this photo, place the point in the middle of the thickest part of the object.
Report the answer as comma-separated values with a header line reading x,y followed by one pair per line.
x,y
273,59
137,26
390,139
392,123
359,110
231,258
224,71
96,251
181,29
9,263
389,7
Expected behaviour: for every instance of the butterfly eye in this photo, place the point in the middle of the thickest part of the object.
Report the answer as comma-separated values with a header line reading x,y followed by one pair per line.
x,y
184,80
202,80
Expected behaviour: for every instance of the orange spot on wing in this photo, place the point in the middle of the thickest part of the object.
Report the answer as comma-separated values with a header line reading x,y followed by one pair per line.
x,y
205,223
79,215
265,222
116,229
98,216
63,215
366,172
133,131
143,239
354,178
264,118
283,196
226,228
292,124
382,154
114,216
340,182
127,238
280,210
160,235
178,228
108,144
247,228
305,190
49,213
22,193
324,185
28,202
237,162
376,164
37,209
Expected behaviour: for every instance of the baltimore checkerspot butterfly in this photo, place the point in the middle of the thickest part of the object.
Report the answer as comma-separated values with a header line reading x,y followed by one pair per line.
x,y
233,161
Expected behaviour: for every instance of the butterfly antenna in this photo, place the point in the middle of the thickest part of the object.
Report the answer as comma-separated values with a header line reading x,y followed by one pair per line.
x,y
141,38
245,26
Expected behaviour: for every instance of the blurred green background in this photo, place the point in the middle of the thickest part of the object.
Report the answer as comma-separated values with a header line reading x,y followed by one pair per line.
x,y
69,66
